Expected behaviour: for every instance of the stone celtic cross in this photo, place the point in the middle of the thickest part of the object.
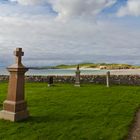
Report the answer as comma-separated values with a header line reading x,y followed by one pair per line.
x,y
15,106
18,53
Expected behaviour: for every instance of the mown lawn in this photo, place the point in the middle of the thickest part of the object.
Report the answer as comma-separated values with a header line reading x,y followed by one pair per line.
x,y
65,112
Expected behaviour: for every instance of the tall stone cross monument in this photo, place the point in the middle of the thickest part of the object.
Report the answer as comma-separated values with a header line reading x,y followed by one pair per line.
x,y
14,107
77,77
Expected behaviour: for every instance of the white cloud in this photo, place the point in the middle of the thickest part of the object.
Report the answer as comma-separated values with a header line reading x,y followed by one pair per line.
x,y
72,8
30,2
47,41
21,11
82,8
131,8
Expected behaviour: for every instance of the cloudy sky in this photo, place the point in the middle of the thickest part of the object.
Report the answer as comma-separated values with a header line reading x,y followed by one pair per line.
x,y
70,31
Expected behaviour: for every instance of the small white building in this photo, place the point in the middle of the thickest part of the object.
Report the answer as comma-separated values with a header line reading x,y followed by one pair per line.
x,y
103,67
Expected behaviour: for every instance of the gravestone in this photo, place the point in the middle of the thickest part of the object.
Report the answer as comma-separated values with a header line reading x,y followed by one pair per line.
x,y
50,81
108,79
15,107
77,77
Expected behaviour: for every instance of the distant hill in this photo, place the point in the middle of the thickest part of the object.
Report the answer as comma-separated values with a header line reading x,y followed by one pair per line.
x,y
100,66
90,65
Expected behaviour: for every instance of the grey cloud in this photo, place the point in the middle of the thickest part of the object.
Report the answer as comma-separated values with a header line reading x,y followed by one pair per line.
x,y
48,41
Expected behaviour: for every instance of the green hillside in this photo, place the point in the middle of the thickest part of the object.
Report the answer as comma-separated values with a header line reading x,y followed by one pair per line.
x,y
99,65
90,65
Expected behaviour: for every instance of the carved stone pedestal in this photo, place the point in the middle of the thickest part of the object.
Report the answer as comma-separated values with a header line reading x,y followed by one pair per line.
x,y
15,107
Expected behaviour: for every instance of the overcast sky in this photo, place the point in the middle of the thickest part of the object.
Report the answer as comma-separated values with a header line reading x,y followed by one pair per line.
x,y
70,31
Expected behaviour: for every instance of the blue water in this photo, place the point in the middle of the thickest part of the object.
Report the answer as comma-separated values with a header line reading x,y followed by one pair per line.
x,y
64,72
3,71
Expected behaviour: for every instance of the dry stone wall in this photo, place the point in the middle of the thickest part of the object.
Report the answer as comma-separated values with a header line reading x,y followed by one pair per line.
x,y
95,79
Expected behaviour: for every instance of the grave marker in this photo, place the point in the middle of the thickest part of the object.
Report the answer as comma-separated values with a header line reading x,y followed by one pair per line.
x,y
108,79
50,81
77,77
14,107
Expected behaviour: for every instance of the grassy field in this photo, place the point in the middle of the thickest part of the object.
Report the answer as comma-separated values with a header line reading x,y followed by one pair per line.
x,y
65,112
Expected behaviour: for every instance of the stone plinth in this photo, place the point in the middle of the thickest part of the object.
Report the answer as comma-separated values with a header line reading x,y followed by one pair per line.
x,y
14,107
77,77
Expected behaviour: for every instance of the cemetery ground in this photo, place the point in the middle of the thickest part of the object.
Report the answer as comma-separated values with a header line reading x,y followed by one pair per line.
x,y
65,112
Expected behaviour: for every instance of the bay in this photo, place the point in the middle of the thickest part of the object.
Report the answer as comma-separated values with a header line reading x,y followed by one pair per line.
x,y
3,71
41,72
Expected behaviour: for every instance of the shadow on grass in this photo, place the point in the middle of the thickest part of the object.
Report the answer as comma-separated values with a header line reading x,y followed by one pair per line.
x,y
58,118
54,85
1,105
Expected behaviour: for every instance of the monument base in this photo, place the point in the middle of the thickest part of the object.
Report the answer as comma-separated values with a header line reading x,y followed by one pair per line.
x,y
77,85
11,116
49,85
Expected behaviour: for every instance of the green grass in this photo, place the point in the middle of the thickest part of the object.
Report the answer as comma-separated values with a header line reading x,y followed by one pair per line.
x,y
65,112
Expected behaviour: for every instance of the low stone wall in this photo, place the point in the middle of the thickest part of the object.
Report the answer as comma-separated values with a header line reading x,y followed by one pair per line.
x,y
95,79
4,78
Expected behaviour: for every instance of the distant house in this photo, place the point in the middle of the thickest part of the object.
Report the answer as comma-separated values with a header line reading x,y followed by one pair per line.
x,y
103,67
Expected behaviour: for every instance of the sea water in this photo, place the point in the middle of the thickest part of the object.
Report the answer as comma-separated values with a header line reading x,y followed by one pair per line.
x,y
3,71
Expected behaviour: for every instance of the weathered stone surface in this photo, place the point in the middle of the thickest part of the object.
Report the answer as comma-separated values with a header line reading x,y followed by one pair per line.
x,y
108,79
95,79
14,107
50,81
77,77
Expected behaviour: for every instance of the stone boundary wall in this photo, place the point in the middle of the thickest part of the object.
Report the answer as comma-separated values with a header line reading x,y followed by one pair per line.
x,y
95,79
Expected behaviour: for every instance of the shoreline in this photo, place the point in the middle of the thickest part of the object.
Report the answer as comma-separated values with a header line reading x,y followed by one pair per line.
x,y
71,72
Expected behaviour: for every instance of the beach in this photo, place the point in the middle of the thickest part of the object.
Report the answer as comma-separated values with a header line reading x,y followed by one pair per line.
x,y
71,71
